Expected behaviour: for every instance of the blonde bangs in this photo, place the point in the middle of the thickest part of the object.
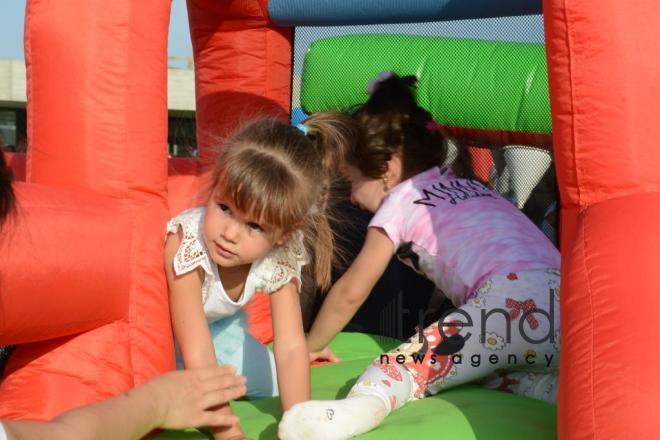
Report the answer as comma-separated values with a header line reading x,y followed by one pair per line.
x,y
261,187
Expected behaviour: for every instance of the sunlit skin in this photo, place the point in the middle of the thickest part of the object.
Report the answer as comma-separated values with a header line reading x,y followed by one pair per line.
x,y
366,193
234,239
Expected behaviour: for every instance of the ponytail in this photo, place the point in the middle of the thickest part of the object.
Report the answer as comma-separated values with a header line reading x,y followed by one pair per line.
x,y
395,124
323,251
332,136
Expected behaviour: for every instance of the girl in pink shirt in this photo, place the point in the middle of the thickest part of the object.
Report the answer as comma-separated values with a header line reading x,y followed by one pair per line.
x,y
497,268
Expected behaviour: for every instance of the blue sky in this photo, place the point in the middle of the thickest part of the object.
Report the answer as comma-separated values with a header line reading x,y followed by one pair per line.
x,y
12,14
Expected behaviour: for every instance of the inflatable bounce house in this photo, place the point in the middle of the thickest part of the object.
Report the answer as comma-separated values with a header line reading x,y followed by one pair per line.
x,y
82,287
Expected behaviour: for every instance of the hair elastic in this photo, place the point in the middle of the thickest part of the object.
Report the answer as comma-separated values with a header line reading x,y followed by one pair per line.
x,y
373,84
302,128
433,127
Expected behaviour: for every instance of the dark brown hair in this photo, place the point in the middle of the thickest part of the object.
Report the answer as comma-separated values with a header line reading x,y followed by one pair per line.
x,y
283,177
393,123
7,197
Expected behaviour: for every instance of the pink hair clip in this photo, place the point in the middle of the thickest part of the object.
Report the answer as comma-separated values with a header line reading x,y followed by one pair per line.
x,y
373,84
433,127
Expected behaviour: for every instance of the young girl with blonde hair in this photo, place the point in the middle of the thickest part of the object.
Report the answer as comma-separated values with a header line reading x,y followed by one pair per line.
x,y
267,211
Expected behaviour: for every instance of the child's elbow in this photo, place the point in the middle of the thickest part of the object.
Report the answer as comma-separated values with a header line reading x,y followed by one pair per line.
x,y
290,350
198,359
351,297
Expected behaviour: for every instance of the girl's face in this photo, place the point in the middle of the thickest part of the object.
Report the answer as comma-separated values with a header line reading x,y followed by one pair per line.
x,y
232,237
366,192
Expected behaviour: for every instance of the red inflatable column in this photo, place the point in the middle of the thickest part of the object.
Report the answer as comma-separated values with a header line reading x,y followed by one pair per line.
x,y
242,68
97,120
603,74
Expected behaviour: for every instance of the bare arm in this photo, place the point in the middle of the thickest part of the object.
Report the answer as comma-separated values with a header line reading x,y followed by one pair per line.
x,y
187,311
189,322
352,289
176,400
289,346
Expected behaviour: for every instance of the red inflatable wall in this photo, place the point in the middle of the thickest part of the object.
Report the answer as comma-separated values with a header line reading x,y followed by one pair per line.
x,y
242,68
97,127
603,71
82,286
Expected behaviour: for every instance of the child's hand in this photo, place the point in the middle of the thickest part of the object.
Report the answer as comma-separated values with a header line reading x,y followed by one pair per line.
x,y
323,355
191,398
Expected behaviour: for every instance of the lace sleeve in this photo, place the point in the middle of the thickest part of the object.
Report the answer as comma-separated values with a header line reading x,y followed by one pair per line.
x,y
282,265
192,252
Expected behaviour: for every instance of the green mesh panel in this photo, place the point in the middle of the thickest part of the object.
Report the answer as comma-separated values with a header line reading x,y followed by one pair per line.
x,y
477,84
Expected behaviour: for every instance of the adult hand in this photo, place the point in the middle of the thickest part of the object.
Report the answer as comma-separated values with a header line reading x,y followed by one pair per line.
x,y
192,397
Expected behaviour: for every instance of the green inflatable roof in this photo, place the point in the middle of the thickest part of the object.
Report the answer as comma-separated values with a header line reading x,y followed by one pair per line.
x,y
485,91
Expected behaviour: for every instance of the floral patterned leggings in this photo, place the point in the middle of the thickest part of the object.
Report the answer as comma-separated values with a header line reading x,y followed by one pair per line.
x,y
506,336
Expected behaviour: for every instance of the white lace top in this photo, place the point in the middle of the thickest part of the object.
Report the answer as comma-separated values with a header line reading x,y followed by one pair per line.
x,y
280,266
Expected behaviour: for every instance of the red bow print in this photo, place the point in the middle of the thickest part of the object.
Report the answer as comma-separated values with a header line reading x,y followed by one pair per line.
x,y
525,306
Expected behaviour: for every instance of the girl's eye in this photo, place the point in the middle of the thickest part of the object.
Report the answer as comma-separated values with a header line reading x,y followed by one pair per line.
x,y
224,208
255,227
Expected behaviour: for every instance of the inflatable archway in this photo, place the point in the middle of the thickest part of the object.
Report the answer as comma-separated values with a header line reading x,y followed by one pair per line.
x,y
83,291
81,282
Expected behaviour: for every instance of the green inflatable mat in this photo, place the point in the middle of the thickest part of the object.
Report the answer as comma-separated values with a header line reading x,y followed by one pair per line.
x,y
465,413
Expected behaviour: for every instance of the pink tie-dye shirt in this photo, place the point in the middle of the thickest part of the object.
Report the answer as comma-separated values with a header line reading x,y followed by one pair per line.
x,y
458,233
